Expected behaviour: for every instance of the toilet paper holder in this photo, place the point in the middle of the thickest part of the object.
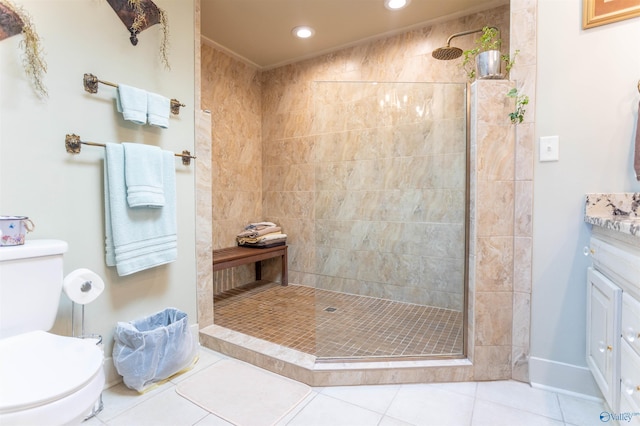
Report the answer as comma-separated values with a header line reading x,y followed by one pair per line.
x,y
82,286
83,334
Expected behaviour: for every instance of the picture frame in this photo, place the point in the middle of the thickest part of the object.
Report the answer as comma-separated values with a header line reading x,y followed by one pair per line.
x,y
601,12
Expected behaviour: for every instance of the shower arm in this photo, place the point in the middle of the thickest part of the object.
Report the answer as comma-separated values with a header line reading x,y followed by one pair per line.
x,y
463,33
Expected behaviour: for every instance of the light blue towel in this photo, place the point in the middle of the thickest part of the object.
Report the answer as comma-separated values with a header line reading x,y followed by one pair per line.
x,y
132,103
158,108
138,239
143,175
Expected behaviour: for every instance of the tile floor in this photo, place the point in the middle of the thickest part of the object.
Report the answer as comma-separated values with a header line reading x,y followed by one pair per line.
x,y
470,403
329,324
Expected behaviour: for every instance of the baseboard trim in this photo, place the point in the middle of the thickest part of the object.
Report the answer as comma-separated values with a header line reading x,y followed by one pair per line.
x,y
560,377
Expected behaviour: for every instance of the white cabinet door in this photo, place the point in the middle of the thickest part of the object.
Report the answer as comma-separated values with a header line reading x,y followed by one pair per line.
x,y
603,334
630,378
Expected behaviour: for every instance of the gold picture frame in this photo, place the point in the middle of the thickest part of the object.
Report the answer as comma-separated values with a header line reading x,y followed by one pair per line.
x,y
601,12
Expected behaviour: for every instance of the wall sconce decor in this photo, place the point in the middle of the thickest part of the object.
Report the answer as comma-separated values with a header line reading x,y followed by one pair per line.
x,y
137,16
14,20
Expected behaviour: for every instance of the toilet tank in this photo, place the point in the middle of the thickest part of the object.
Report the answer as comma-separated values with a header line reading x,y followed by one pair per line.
x,y
31,278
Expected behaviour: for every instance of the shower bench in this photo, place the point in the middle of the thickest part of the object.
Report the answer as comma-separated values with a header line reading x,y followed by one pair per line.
x,y
230,257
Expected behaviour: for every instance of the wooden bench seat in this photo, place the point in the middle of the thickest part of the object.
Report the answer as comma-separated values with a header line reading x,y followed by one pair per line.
x,y
241,255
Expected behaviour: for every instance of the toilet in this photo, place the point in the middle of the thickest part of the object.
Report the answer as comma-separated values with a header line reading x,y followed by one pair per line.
x,y
45,379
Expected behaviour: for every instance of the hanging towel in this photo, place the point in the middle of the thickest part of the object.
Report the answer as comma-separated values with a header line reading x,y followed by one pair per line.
x,y
143,175
636,159
137,239
132,103
158,108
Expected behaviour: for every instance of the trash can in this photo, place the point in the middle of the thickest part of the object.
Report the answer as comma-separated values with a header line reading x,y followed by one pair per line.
x,y
153,348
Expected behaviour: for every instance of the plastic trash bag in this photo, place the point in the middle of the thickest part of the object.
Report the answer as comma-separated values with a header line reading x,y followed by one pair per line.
x,y
153,348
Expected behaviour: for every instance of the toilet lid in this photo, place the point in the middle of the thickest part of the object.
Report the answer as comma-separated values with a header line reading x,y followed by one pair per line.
x,y
39,367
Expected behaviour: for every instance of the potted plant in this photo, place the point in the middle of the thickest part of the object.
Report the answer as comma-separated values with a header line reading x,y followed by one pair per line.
x,y
517,116
484,61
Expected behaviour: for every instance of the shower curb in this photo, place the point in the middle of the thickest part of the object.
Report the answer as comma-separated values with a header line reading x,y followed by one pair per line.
x,y
305,368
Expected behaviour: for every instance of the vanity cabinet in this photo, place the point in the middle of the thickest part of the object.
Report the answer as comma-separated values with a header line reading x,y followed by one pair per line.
x,y
613,318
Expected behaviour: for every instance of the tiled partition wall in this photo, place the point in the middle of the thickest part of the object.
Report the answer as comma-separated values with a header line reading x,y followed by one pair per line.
x,y
373,197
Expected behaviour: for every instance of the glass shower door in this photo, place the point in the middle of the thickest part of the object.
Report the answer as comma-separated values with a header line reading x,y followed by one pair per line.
x,y
389,219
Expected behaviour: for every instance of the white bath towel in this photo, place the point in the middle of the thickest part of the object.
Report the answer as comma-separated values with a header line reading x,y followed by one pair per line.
x,y
132,103
143,175
158,109
138,239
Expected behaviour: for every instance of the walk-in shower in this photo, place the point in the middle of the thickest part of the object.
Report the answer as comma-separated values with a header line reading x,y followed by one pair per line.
x,y
378,231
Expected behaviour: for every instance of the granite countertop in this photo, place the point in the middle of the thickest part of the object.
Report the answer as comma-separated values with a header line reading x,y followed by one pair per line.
x,y
618,212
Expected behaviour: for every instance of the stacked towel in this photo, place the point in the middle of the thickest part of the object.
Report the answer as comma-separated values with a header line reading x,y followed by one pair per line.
x,y
261,235
143,175
142,107
138,238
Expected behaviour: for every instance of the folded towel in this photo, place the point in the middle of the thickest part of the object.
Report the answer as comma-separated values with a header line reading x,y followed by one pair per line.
x,y
132,103
258,232
259,225
636,160
265,245
264,239
138,239
143,175
158,108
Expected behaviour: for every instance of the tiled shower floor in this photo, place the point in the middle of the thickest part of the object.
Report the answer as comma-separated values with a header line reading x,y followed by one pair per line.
x,y
329,324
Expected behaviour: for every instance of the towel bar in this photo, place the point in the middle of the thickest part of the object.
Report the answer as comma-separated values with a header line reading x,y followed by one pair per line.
x,y
91,85
73,145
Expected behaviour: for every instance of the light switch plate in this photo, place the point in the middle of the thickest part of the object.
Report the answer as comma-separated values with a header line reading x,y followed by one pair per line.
x,y
549,148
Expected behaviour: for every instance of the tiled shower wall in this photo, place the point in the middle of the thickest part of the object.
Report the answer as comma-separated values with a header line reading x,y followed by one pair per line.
x,y
232,92
249,108
372,198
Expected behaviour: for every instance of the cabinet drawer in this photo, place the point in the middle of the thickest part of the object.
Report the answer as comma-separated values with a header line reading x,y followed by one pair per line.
x,y
630,374
630,326
618,264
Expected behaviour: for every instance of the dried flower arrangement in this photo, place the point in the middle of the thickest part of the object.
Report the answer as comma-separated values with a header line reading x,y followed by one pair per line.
x,y
138,15
14,20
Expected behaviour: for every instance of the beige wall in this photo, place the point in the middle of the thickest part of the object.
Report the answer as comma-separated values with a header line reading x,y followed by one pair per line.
x,y
63,194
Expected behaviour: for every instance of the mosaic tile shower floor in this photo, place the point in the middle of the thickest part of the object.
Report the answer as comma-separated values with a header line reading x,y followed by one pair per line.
x,y
329,324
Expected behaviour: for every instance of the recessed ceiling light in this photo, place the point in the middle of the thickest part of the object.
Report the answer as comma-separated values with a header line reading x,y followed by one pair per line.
x,y
395,4
303,32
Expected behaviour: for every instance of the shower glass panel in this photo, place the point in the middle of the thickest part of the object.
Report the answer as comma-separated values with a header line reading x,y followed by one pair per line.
x,y
390,214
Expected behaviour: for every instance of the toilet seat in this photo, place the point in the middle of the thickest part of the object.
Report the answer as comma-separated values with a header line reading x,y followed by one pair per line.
x,y
39,368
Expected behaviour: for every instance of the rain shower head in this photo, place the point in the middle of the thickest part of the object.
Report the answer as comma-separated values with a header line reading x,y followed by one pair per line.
x,y
447,52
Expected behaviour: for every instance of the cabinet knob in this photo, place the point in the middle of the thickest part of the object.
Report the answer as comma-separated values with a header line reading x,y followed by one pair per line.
x,y
588,251
630,335
629,387
602,346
